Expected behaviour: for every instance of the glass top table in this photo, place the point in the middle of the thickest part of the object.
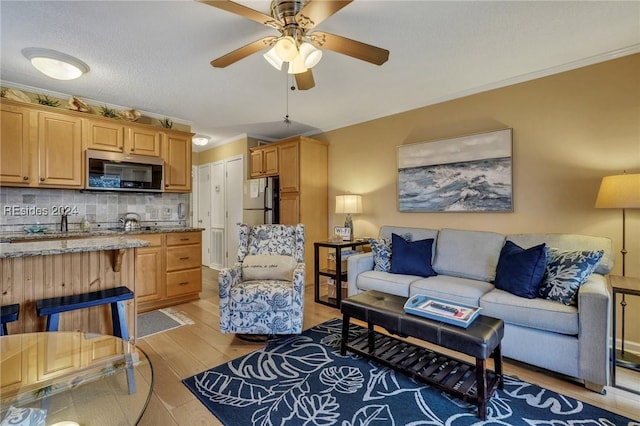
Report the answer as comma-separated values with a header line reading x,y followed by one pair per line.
x,y
78,378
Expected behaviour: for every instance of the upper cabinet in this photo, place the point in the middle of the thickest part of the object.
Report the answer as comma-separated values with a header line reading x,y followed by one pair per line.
x,y
15,147
59,150
40,148
177,161
264,161
143,141
109,135
44,147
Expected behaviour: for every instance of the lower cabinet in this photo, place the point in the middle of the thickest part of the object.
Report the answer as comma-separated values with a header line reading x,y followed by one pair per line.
x,y
168,272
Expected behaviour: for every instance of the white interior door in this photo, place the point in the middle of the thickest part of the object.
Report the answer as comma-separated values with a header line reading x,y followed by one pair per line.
x,y
204,210
218,214
234,186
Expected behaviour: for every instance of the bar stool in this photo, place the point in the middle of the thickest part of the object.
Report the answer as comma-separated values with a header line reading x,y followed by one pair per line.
x,y
116,297
8,313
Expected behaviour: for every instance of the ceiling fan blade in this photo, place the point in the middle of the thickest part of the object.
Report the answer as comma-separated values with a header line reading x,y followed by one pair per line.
x,y
243,52
305,81
244,11
314,12
346,46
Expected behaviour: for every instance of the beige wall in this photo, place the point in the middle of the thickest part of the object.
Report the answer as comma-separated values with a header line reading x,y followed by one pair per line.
x,y
569,130
221,152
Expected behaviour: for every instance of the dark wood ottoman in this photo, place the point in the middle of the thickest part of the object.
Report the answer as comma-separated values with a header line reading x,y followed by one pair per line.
x,y
481,340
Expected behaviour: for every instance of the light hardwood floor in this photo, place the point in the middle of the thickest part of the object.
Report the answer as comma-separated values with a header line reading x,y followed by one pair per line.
x,y
188,350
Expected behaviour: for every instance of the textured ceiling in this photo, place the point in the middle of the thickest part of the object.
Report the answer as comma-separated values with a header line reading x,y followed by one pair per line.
x,y
154,56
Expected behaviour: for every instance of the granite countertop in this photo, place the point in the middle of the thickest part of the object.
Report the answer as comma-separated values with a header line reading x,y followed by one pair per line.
x,y
14,237
62,246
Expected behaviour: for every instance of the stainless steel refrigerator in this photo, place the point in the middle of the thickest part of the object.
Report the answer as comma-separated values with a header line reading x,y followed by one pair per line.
x,y
261,201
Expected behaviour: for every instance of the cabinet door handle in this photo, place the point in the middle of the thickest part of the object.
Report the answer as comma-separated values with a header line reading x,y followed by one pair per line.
x,y
183,283
187,239
25,177
41,179
184,258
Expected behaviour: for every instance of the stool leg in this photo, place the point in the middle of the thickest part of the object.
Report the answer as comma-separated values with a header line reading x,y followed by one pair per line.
x,y
119,319
4,330
52,322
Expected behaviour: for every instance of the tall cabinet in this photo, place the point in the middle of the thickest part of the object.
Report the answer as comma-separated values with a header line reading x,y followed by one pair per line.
x,y
303,172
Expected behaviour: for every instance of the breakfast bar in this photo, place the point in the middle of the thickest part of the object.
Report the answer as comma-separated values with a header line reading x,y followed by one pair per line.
x,y
30,271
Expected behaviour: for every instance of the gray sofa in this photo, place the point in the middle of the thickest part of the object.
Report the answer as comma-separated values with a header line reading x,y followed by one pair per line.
x,y
571,340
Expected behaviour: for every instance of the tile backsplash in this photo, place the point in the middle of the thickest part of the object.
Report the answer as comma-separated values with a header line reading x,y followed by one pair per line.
x,y
26,206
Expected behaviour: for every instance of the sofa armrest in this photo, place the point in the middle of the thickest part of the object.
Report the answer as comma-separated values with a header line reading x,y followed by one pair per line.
x,y
299,274
594,305
357,264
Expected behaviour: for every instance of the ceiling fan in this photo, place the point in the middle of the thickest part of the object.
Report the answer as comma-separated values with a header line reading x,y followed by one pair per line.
x,y
294,19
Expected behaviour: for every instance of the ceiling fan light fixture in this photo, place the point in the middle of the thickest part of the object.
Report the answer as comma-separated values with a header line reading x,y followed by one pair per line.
x,y
297,65
55,64
286,48
272,57
310,54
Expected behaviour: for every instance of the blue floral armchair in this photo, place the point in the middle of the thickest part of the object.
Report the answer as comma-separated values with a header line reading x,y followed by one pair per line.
x,y
263,293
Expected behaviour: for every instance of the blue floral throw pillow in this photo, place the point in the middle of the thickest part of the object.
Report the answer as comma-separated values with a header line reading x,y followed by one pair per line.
x,y
381,249
565,272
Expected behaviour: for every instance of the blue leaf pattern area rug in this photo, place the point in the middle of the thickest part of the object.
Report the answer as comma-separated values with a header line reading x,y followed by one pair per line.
x,y
303,380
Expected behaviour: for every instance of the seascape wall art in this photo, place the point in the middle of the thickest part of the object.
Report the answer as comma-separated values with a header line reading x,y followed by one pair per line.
x,y
464,174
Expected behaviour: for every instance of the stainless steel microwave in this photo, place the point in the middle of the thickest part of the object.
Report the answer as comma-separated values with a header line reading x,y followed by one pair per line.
x,y
114,171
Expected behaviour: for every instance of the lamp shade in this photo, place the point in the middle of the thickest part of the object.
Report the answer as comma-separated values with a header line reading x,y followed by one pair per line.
x,y
348,204
286,48
272,57
619,191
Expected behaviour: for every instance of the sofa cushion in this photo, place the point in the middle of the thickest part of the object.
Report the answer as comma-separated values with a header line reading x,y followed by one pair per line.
x,y
462,290
409,234
571,242
381,249
385,282
468,254
538,313
411,257
520,271
566,271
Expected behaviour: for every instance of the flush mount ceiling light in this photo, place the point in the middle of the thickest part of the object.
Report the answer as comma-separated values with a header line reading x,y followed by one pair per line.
x,y
200,140
298,43
55,64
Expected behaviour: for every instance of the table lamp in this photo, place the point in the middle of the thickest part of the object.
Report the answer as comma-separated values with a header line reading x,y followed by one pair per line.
x,y
349,204
621,192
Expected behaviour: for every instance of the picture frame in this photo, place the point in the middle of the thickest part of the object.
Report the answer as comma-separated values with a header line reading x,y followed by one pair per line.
x,y
343,232
472,173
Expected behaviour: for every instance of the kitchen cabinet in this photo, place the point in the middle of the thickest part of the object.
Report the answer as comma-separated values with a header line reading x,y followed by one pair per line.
x,y
109,135
43,146
15,147
40,148
104,135
303,190
174,270
290,173
59,161
149,268
264,162
143,141
177,161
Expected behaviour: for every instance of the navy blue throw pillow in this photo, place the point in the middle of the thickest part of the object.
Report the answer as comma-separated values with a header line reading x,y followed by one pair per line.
x,y
411,257
521,271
